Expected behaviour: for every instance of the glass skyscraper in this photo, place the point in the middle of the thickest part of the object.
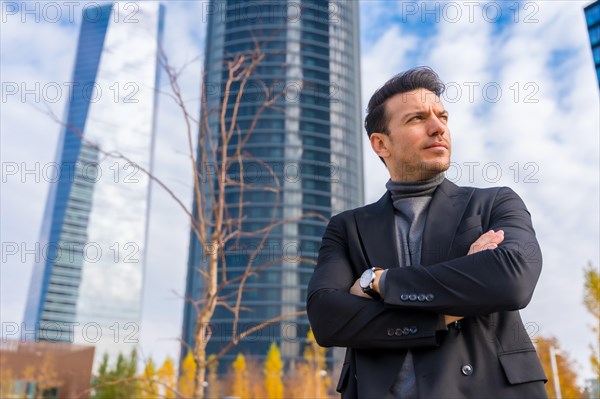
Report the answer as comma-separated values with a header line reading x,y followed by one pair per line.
x,y
86,286
592,17
312,143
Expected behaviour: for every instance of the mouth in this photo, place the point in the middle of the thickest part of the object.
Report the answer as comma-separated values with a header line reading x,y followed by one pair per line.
x,y
437,145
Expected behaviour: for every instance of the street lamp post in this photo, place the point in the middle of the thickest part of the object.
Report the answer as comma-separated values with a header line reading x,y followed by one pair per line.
x,y
555,373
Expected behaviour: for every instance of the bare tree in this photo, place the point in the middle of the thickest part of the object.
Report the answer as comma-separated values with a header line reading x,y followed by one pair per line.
x,y
213,224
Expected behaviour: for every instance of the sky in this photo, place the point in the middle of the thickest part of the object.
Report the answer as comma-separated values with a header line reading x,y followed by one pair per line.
x,y
524,112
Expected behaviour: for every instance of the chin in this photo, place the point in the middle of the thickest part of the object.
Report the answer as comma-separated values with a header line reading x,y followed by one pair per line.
x,y
437,166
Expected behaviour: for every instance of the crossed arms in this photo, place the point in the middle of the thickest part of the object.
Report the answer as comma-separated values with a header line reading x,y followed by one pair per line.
x,y
498,273
487,241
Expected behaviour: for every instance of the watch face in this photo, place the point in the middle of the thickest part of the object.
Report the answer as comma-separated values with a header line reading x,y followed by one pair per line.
x,y
366,278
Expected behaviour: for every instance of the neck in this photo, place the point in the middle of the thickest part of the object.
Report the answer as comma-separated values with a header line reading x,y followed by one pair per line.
x,y
421,188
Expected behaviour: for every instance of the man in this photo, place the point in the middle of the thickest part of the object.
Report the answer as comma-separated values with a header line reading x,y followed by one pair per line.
x,y
423,287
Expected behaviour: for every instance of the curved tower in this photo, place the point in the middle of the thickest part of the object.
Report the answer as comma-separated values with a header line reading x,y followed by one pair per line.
x,y
86,287
312,143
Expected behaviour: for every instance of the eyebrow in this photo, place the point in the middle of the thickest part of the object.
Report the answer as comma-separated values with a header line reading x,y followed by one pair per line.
x,y
423,112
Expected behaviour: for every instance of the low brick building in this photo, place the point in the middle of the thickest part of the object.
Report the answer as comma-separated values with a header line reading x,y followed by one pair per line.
x,y
52,370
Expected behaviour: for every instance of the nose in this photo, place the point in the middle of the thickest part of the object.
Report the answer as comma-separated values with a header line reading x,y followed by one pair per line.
x,y
435,126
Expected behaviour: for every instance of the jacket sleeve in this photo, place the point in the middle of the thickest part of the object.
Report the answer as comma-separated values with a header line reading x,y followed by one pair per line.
x,y
339,318
489,281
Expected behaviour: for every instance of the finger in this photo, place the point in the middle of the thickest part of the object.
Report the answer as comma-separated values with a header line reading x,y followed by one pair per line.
x,y
496,240
484,243
485,238
498,237
492,236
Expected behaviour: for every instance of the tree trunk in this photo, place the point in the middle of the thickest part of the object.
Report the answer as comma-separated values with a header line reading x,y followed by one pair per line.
x,y
203,319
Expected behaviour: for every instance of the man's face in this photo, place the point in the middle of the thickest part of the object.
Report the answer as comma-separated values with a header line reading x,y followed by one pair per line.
x,y
418,144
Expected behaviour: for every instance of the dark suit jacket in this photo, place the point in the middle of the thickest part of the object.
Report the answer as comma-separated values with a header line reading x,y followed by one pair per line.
x,y
488,354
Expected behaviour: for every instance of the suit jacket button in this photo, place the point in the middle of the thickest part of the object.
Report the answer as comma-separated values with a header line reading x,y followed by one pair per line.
x,y
466,369
399,332
421,297
429,297
390,332
404,297
413,330
412,297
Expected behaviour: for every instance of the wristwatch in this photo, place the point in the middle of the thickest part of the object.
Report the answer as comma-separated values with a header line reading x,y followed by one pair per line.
x,y
366,282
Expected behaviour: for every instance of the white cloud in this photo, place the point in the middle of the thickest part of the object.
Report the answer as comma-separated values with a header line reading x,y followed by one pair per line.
x,y
384,58
559,134
379,62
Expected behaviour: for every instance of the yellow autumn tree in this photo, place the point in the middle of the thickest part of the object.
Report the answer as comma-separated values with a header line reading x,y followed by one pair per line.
x,y
47,377
44,375
274,373
309,377
256,378
166,376
186,378
294,380
7,379
314,369
29,373
591,300
241,380
213,388
148,386
565,366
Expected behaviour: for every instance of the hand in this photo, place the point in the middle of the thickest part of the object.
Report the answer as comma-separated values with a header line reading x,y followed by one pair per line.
x,y
356,290
489,240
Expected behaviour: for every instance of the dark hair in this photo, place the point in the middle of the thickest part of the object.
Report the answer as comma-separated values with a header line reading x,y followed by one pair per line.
x,y
416,78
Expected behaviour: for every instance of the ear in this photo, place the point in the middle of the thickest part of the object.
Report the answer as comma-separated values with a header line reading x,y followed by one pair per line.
x,y
380,144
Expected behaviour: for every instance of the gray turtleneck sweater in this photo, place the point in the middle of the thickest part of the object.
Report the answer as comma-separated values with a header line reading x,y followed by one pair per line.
x,y
411,201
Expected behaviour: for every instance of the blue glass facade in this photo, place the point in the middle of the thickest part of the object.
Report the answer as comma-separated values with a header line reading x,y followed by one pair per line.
x,y
311,142
592,16
53,294
86,286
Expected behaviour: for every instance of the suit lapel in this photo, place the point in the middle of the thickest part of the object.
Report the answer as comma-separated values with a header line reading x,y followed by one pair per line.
x,y
376,228
445,213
